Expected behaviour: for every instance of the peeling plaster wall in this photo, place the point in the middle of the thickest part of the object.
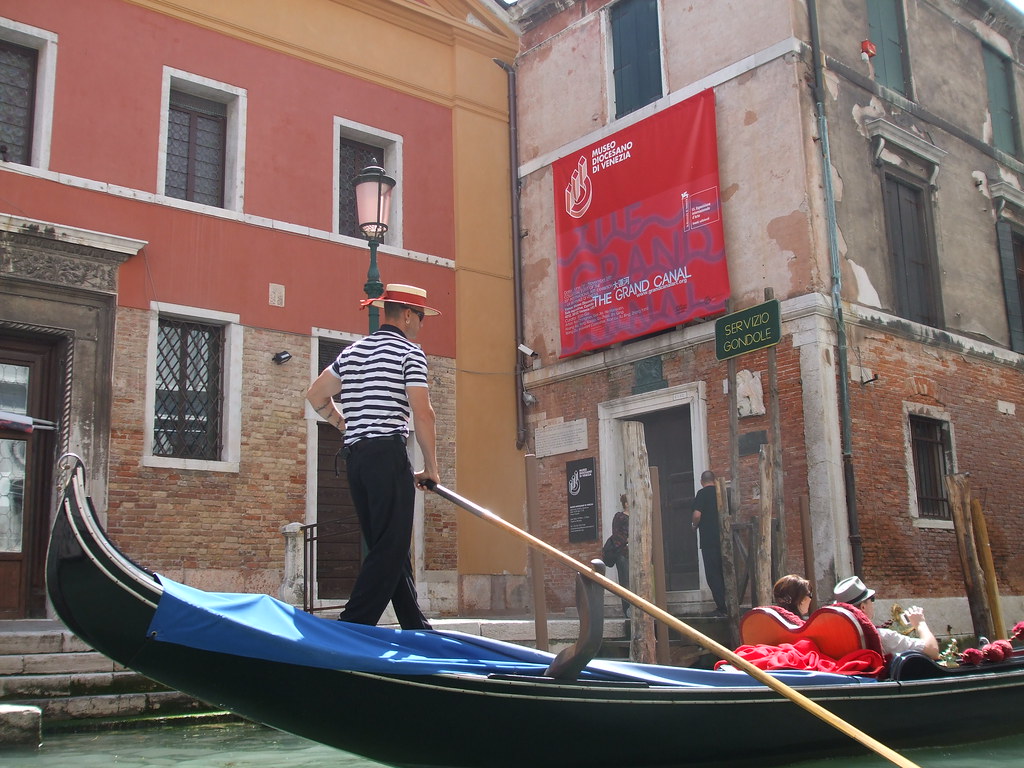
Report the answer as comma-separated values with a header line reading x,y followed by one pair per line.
x,y
950,109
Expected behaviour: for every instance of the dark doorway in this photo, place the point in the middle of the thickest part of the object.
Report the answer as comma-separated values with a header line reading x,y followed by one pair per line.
x,y
339,541
669,448
28,386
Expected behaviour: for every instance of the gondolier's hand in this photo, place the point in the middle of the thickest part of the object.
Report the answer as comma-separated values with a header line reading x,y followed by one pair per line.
x,y
427,480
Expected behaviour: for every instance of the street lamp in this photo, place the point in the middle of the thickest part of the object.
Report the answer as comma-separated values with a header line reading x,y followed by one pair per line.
x,y
373,208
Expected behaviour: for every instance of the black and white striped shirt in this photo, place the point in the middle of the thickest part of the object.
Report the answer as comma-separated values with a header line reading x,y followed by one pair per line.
x,y
374,373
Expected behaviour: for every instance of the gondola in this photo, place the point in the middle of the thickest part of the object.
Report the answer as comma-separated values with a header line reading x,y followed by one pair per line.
x,y
437,698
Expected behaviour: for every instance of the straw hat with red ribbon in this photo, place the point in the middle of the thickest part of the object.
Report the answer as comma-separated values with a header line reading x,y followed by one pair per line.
x,y
409,295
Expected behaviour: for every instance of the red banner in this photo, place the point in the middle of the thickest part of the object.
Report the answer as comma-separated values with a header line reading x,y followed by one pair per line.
x,y
638,226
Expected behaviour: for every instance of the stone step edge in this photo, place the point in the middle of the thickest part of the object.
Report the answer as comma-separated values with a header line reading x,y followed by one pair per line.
x,y
140,722
124,706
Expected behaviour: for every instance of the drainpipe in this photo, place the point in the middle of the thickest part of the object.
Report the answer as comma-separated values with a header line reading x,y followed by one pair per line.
x,y
517,266
837,301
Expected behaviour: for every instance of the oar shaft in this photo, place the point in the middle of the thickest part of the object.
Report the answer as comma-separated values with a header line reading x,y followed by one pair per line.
x,y
710,644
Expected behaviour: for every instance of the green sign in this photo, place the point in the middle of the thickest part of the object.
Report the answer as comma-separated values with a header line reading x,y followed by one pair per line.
x,y
748,330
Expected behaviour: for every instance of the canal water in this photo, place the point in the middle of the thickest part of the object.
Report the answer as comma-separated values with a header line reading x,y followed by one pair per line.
x,y
240,745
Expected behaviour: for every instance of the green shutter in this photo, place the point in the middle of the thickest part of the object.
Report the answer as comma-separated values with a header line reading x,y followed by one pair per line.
x,y
885,30
998,78
1011,290
636,54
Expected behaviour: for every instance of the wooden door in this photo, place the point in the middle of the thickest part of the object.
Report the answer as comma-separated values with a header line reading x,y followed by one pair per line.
x,y
27,387
669,448
339,540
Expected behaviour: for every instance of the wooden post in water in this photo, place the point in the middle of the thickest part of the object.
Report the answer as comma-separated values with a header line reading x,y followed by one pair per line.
x,y
775,438
640,500
540,612
807,537
974,579
763,531
662,647
988,567
725,521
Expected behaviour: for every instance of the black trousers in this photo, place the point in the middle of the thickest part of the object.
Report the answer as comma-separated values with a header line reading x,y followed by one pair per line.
x,y
713,571
384,492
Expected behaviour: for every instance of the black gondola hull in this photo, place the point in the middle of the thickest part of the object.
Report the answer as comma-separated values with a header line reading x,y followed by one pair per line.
x,y
470,720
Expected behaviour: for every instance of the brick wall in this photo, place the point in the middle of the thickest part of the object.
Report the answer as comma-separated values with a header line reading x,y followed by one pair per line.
x,y
909,560
215,530
899,557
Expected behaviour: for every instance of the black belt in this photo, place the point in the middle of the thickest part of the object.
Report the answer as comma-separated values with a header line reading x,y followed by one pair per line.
x,y
366,442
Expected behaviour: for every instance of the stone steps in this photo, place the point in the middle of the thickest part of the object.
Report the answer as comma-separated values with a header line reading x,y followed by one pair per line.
x,y
43,665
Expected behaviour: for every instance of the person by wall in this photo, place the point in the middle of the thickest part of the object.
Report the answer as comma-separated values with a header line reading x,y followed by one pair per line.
x,y
382,381
705,520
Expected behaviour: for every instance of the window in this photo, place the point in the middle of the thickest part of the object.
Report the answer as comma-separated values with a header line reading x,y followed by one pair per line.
x,y
28,73
202,141
929,440
17,102
888,32
1011,259
636,54
193,389
353,156
195,149
915,279
188,390
355,147
1001,104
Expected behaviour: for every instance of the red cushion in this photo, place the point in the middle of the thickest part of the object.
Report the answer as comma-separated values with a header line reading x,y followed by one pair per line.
x,y
836,630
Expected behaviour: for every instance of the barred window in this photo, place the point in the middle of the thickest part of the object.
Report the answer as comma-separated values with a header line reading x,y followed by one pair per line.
x,y
189,361
353,156
930,444
17,101
196,147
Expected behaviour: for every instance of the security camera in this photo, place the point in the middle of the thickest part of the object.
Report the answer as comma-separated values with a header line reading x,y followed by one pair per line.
x,y
527,351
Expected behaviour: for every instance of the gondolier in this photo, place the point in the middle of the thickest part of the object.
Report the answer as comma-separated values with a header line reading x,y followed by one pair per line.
x,y
382,380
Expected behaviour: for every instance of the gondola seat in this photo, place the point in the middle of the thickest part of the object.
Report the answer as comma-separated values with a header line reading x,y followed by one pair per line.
x,y
837,630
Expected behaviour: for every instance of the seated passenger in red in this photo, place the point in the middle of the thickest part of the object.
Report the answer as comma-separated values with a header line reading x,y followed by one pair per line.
x,y
793,593
853,592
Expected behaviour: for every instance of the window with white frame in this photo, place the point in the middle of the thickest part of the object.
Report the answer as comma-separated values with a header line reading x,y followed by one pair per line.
x,y
931,458
193,393
355,147
202,141
28,65
909,166
636,54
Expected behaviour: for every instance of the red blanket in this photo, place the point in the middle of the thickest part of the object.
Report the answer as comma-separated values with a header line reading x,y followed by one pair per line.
x,y
804,654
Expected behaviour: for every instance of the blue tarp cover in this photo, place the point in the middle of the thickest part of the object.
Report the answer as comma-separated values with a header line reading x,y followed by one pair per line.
x,y
261,627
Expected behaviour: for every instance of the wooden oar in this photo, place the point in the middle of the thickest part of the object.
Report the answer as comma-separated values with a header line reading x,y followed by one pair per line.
x,y
680,626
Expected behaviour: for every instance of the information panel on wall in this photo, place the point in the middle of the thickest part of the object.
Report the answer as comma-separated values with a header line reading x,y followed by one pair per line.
x,y
638,229
582,499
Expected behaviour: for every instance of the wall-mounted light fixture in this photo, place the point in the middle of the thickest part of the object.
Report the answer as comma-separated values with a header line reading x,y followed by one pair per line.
x,y
282,357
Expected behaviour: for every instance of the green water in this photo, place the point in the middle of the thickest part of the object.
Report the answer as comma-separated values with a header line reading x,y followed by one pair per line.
x,y
237,745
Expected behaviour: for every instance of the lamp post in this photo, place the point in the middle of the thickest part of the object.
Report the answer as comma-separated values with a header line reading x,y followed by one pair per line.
x,y
373,209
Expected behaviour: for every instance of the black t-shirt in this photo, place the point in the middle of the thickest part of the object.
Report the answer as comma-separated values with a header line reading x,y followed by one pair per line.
x,y
706,502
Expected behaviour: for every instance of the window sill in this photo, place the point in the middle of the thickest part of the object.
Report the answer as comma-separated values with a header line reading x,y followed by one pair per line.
x,y
204,465
944,525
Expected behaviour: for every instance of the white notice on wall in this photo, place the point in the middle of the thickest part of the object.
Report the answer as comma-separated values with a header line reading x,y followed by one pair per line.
x,y
561,438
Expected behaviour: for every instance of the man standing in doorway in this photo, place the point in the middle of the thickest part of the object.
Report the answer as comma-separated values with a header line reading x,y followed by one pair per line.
x,y
382,380
705,520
